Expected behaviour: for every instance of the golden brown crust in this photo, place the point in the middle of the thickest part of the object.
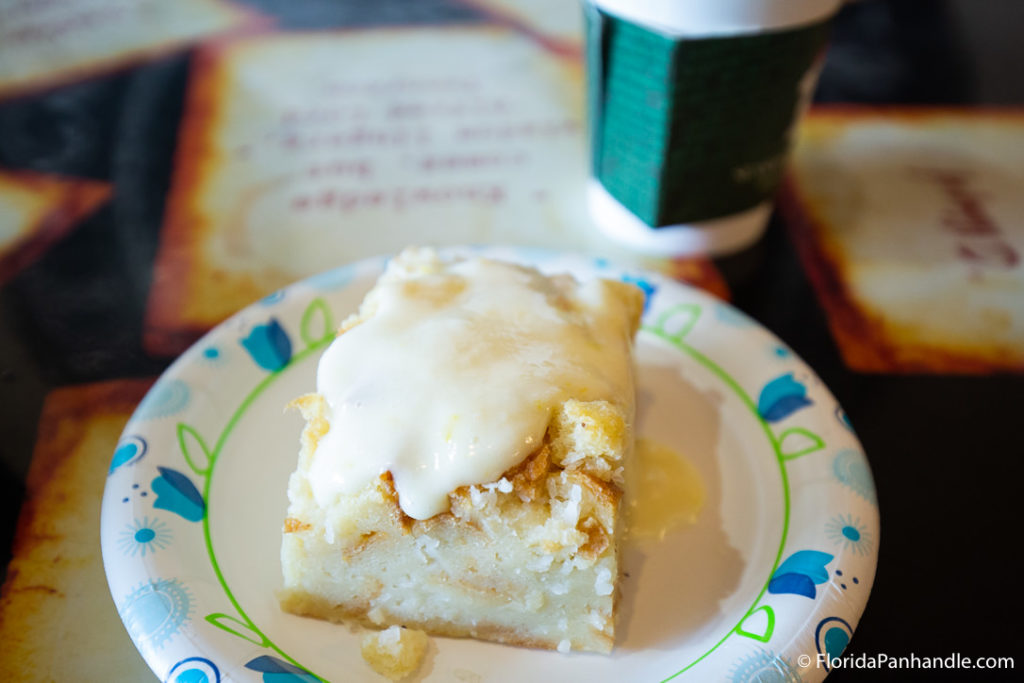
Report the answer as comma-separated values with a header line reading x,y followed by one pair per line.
x,y
304,604
312,408
291,525
307,605
606,496
597,538
528,477
364,542
386,485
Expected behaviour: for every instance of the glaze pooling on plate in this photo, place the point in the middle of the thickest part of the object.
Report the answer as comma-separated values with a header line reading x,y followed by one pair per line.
x,y
779,563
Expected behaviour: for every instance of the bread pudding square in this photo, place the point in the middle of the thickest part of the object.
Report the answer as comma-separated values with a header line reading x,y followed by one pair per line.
x,y
462,464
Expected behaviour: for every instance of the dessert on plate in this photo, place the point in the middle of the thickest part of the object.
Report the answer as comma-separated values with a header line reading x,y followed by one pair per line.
x,y
463,459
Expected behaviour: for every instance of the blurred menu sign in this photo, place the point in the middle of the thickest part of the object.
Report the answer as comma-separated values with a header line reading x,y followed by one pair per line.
x,y
910,223
44,43
36,210
301,152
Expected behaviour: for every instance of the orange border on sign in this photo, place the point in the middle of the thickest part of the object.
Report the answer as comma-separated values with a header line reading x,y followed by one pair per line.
x,y
521,22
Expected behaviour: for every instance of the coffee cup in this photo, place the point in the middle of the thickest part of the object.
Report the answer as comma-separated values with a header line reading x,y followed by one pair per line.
x,y
692,109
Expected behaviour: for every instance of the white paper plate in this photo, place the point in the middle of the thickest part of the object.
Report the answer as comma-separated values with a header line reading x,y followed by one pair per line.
x,y
776,570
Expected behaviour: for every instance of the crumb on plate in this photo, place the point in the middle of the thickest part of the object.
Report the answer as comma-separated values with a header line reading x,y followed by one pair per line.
x,y
395,652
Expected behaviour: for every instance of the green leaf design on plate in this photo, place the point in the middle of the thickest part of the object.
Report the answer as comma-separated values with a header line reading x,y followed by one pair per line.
x,y
317,330
192,445
674,324
317,325
245,629
762,634
797,441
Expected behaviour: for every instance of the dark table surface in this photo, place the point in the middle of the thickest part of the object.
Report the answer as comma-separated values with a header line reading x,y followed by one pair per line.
x,y
946,451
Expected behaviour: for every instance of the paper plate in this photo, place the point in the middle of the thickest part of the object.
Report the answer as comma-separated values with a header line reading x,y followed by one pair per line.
x,y
766,585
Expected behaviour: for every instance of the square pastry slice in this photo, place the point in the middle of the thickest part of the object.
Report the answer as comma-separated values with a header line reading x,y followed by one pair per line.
x,y
463,458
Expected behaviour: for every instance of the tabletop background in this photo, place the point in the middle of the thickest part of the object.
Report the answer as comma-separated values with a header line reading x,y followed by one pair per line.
x,y
945,450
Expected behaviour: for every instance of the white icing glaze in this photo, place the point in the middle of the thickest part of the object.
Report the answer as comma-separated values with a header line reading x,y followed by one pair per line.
x,y
454,374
